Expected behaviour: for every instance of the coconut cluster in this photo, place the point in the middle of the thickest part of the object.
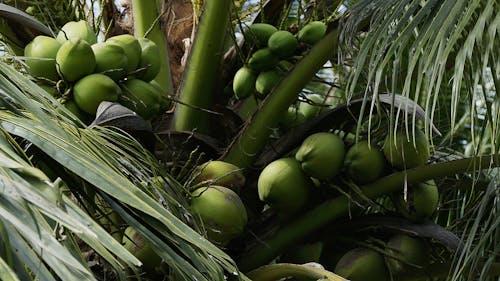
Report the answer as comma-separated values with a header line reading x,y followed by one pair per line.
x,y
285,184
119,69
268,63
403,255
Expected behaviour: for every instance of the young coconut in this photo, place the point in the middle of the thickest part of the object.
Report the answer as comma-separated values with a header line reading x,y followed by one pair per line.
x,y
220,173
244,82
221,211
136,244
150,60
75,59
284,186
313,106
164,98
321,155
93,89
283,43
362,264
303,253
403,153
364,162
262,60
421,202
312,32
267,80
292,118
411,253
259,33
141,97
77,30
40,56
108,218
132,49
73,108
111,60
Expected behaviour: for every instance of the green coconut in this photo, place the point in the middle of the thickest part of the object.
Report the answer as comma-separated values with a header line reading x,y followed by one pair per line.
x,y
283,43
164,98
303,253
364,162
407,151
362,264
141,97
313,106
244,82
51,90
136,244
222,212
421,201
321,155
77,30
259,33
132,49
409,253
283,185
292,118
108,218
267,80
93,89
111,60
150,61
40,56
262,60
312,32
219,173
73,108
75,59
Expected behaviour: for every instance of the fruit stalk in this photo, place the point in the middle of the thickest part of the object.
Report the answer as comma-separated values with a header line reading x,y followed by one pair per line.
x,y
147,24
338,207
247,146
283,270
199,84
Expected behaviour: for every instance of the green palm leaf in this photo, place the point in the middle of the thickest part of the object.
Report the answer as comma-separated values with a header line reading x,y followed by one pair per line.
x,y
6,273
413,42
90,154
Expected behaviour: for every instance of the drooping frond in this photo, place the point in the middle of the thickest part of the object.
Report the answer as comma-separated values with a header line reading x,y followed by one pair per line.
x,y
111,164
426,50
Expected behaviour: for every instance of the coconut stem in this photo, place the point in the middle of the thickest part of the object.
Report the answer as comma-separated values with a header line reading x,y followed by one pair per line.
x,y
338,207
202,73
254,136
147,24
283,270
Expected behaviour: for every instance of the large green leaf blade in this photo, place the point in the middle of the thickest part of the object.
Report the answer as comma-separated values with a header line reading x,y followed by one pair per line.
x,y
86,153
6,273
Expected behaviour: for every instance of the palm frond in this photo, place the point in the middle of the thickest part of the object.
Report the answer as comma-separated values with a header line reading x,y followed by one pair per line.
x,y
115,165
413,44
479,229
443,55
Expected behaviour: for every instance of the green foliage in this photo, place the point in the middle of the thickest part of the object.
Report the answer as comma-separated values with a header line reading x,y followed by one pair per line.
x,y
441,57
110,163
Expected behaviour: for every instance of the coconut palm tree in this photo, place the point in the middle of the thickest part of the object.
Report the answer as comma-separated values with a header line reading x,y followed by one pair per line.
x,y
71,188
